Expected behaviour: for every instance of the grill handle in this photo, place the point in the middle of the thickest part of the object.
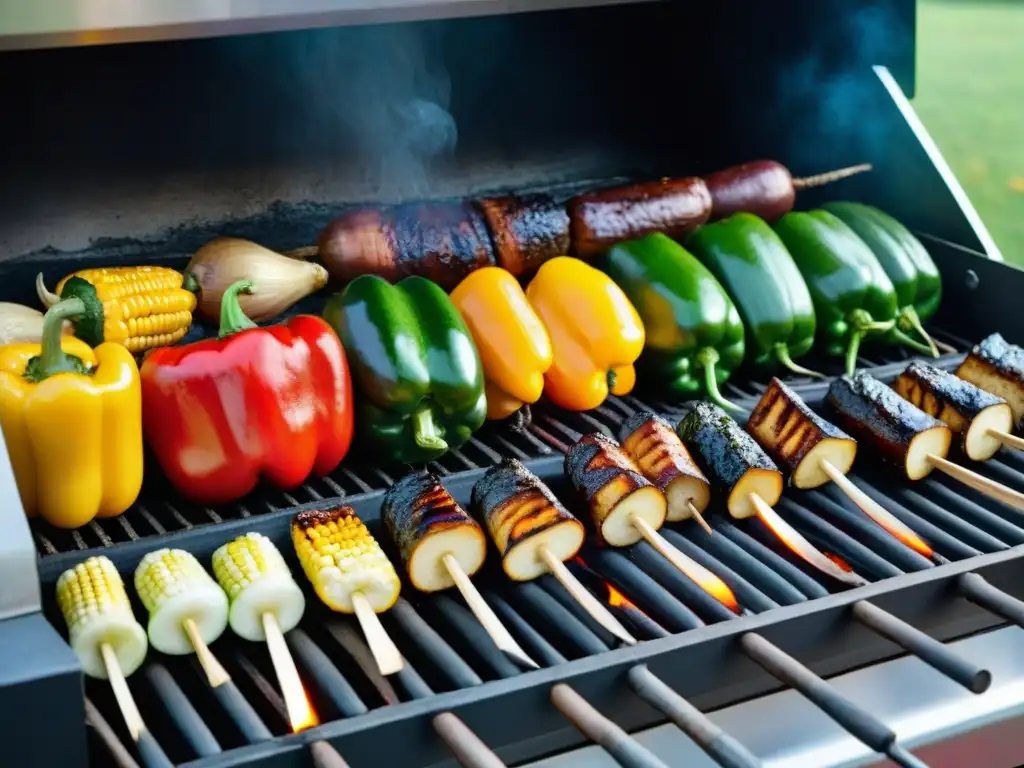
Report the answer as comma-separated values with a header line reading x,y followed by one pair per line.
x,y
929,650
469,750
625,750
862,725
977,590
719,745
326,756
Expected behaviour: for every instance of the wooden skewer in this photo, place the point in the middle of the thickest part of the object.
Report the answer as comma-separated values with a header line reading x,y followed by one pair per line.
x,y
689,567
876,511
487,618
288,679
214,670
326,756
385,652
802,546
699,518
150,752
990,488
1010,441
590,604
944,347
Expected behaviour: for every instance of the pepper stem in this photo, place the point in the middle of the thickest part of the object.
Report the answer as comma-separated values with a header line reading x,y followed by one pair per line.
x,y
782,355
425,431
909,316
52,358
851,351
914,344
861,324
708,358
232,318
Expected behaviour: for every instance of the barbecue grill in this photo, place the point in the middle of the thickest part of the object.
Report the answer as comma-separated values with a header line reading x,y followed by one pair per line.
x,y
142,152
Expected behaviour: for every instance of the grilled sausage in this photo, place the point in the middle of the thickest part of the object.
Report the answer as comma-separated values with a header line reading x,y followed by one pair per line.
x,y
441,241
764,187
426,524
899,431
601,219
614,488
527,231
998,368
797,438
731,458
656,449
966,409
523,516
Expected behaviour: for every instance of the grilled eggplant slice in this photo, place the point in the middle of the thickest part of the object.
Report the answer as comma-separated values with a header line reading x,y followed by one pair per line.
x,y
426,524
901,432
615,489
998,368
523,516
656,449
797,438
966,409
732,459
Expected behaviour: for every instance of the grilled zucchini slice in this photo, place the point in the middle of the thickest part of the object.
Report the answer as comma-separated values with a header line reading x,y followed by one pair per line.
x,y
998,368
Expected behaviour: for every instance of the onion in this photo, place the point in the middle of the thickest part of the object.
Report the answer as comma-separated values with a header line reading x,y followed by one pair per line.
x,y
21,323
281,281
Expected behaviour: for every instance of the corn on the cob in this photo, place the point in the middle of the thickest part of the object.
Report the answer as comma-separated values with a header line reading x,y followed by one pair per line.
x,y
95,605
173,587
137,307
257,581
341,557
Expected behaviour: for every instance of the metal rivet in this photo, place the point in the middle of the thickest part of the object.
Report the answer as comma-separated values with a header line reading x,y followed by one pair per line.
x,y
971,279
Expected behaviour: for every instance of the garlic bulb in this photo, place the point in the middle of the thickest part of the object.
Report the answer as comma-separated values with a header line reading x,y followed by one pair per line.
x,y
280,281
21,323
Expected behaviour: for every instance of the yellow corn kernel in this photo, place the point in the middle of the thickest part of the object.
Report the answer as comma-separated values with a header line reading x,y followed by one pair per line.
x,y
340,557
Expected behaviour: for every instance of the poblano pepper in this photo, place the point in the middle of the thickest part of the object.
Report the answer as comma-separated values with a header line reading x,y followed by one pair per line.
x,y
853,297
753,265
914,275
414,364
694,334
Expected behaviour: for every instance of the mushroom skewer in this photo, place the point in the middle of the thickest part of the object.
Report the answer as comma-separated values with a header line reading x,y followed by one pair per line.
x,y
535,534
264,603
109,642
814,452
441,547
997,367
750,480
350,574
626,507
660,455
905,435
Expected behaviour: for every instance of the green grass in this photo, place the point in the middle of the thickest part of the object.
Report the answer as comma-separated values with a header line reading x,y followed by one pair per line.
x,y
970,95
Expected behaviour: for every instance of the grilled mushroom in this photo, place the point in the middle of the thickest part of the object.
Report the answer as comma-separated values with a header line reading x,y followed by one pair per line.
x,y
997,367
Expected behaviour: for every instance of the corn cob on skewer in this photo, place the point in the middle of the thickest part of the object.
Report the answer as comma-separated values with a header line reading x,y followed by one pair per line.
x,y
95,606
175,588
257,581
137,307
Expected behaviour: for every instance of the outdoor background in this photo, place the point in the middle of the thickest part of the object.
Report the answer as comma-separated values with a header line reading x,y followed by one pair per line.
x,y
970,95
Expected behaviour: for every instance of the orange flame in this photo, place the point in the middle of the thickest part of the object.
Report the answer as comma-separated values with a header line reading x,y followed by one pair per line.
x,y
618,600
718,589
300,709
904,535
839,561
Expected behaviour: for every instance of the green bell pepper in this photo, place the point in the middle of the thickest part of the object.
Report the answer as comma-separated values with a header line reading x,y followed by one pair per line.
x,y
694,332
416,370
753,265
913,273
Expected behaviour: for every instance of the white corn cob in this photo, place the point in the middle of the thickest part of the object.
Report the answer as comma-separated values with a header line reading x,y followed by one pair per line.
x,y
340,557
257,581
174,587
95,605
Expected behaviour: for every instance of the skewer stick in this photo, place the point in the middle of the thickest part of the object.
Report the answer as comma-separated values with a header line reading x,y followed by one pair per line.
x,y
214,670
326,756
689,567
802,546
590,604
990,488
288,679
699,518
944,347
876,511
150,752
385,652
1010,441
487,618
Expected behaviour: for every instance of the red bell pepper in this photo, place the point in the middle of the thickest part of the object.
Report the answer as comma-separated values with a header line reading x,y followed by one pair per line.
x,y
274,402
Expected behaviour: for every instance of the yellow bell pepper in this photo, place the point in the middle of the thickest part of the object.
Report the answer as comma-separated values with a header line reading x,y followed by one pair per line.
x,y
514,347
72,422
596,334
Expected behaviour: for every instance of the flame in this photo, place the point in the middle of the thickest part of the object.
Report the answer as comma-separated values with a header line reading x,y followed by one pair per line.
x,y
618,600
300,709
838,561
904,535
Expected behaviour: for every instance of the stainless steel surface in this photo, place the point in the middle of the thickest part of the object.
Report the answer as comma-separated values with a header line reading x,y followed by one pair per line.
x,y
944,725
58,23
18,575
